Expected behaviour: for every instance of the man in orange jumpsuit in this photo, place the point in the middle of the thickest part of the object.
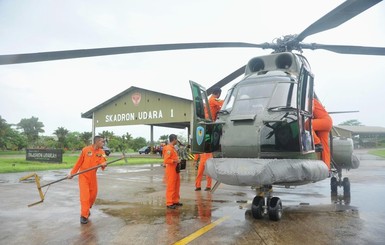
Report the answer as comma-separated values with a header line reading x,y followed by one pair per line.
x,y
90,156
201,168
322,125
215,103
171,160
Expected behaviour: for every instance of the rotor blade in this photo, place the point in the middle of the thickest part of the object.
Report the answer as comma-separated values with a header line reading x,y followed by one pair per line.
x,y
81,53
340,112
337,16
227,79
345,49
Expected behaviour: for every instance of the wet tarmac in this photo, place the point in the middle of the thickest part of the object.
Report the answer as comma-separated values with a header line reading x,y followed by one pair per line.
x,y
130,209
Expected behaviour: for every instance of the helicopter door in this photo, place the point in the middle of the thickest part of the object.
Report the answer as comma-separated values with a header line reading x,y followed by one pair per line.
x,y
305,105
202,121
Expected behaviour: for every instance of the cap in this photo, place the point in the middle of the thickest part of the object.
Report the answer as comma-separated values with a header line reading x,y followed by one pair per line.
x,y
217,90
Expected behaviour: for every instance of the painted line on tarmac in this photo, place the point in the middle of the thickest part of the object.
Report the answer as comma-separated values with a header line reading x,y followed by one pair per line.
x,y
201,231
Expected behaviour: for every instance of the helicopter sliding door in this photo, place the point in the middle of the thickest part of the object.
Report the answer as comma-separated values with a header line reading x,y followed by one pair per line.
x,y
205,133
305,102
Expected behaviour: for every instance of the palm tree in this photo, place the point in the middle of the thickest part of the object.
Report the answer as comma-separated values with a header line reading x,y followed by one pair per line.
x,y
31,128
61,134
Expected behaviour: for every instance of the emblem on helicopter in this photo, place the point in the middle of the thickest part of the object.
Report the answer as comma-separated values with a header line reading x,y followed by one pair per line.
x,y
200,133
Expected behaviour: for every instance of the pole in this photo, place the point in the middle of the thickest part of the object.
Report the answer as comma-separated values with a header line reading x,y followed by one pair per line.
x,y
81,172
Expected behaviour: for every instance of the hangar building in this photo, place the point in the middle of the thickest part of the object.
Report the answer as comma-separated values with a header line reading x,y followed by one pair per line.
x,y
137,106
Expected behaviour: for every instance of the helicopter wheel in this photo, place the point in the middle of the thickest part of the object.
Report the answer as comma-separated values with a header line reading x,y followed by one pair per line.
x,y
333,185
257,207
275,209
346,186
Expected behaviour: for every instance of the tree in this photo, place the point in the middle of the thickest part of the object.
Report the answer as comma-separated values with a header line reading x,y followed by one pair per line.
x,y
127,140
5,129
85,137
46,142
352,122
163,138
137,143
31,128
74,141
61,134
107,135
122,144
10,139
16,141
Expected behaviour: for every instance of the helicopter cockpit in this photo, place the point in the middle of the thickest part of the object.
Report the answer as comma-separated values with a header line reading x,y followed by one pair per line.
x,y
264,115
255,97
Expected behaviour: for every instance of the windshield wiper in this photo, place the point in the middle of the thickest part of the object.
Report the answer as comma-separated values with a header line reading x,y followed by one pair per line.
x,y
226,112
281,108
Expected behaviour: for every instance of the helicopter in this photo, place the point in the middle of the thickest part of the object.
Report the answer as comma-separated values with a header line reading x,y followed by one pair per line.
x,y
269,131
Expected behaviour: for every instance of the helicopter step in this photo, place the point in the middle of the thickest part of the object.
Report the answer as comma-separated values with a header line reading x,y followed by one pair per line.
x,y
265,204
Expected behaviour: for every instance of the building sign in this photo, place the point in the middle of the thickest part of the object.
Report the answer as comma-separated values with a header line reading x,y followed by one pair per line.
x,y
138,107
45,155
141,115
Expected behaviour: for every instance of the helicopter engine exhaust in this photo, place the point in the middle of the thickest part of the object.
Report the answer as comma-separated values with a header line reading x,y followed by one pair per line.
x,y
284,61
256,64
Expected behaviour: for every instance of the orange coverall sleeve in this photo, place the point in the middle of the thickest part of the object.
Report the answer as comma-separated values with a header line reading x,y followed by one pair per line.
x,y
215,106
78,163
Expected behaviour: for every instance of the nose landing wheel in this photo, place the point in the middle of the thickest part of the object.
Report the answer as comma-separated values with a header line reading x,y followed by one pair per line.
x,y
273,208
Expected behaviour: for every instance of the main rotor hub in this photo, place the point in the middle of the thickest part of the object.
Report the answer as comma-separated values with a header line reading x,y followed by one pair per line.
x,y
286,43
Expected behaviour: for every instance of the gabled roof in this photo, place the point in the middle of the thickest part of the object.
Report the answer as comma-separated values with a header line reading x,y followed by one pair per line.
x,y
89,113
362,129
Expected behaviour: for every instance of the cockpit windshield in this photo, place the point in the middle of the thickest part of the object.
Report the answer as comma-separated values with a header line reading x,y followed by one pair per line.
x,y
252,98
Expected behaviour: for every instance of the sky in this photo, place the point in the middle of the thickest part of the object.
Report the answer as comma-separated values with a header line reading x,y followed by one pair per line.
x,y
57,92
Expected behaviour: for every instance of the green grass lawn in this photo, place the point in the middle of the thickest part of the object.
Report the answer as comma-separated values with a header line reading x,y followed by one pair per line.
x,y
12,162
378,152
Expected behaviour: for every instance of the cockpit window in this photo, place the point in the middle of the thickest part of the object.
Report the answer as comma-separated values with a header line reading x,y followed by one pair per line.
x,y
229,101
284,95
253,98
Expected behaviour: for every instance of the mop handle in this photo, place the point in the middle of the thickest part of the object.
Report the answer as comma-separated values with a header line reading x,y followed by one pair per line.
x,y
81,172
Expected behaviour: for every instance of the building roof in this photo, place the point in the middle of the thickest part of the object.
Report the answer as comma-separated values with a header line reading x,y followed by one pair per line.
x,y
181,124
362,129
89,113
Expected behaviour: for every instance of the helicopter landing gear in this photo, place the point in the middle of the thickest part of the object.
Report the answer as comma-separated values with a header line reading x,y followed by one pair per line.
x,y
258,207
336,182
273,207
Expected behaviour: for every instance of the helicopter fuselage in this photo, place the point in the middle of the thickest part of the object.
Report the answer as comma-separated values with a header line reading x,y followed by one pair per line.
x,y
264,124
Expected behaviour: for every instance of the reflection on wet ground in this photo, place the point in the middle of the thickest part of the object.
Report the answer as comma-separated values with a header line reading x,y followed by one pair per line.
x,y
130,209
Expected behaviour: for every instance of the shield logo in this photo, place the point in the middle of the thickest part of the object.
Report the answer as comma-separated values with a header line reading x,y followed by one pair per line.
x,y
200,135
136,97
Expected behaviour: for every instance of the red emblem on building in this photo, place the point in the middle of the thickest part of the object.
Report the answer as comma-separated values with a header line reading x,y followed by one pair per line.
x,y
136,97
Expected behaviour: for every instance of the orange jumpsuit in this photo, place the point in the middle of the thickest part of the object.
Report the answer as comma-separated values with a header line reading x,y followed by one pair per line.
x,y
88,186
215,106
322,125
201,169
172,177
